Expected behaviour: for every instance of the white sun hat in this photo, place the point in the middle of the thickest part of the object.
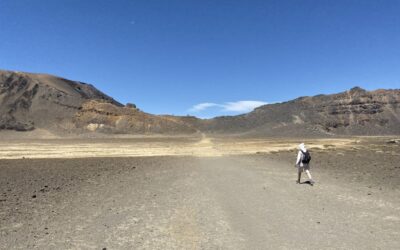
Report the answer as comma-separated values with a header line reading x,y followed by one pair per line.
x,y
302,147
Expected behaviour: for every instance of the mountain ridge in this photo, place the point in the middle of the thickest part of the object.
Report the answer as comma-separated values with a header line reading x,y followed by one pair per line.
x,y
356,112
30,101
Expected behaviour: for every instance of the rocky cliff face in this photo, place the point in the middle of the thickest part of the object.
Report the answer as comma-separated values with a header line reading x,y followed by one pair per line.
x,y
354,112
105,117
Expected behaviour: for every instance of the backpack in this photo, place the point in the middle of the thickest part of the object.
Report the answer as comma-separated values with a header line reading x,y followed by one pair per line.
x,y
306,157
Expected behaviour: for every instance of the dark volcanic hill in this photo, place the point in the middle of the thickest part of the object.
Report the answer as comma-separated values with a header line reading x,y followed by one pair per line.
x,y
354,112
38,100
29,101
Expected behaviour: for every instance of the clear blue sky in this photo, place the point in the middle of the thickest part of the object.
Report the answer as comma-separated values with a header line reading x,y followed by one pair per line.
x,y
167,56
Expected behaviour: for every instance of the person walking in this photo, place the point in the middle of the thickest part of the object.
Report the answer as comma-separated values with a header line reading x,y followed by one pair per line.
x,y
303,163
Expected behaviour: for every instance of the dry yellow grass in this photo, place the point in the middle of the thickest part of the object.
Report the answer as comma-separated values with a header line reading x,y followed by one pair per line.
x,y
205,146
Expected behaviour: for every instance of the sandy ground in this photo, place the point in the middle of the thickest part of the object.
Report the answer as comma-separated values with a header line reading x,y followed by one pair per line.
x,y
211,195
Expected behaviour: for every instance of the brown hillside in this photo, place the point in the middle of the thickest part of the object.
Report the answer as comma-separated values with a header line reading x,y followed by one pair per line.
x,y
354,112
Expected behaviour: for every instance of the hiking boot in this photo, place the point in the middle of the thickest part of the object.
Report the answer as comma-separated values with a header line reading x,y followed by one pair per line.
x,y
297,182
312,182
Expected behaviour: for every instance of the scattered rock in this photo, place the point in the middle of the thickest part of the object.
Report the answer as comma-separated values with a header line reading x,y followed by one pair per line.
x,y
393,141
94,126
34,196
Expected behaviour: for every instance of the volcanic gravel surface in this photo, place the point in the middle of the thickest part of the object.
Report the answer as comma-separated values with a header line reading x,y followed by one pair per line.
x,y
176,202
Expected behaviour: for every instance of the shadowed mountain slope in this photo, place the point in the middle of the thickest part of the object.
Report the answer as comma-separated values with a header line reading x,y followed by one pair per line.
x,y
28,101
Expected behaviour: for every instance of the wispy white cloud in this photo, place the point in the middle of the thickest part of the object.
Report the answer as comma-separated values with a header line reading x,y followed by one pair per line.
x,y
228,107
202,106
242,106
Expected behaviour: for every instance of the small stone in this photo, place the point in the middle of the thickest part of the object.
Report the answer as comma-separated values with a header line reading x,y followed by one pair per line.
x,y
34,196
393,141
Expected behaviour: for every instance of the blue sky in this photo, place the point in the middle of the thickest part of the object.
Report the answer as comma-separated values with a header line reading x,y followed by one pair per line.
x,y
206,58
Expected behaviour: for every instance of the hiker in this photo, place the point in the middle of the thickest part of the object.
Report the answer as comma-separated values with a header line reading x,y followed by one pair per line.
x,y
303,163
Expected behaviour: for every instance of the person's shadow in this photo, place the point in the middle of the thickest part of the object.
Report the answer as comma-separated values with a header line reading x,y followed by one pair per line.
x,y
307,182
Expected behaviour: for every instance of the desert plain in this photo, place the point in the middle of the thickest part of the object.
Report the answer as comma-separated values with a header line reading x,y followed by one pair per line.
x,y
198,192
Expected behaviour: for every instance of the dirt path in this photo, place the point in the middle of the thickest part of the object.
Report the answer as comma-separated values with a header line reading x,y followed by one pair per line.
x,y
187,203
